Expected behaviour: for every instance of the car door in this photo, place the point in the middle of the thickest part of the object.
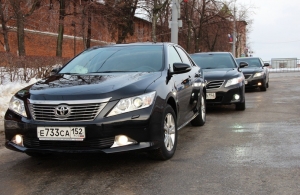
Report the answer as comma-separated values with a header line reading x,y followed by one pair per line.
x,y
180,83
188,99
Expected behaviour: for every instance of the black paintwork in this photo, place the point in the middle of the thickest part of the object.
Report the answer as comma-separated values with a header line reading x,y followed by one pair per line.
x,y
257,67
177,89
222,71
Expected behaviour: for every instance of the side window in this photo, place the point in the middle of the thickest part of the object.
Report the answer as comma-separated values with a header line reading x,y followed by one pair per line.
x,y
173,56
184,57
262,62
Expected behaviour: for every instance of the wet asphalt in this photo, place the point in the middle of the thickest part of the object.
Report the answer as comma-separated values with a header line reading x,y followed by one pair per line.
x,y
256,151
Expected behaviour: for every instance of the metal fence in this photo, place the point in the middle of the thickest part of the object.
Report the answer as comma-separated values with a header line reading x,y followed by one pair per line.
x,y
284,65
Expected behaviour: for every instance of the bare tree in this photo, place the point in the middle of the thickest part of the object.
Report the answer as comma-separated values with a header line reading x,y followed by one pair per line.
x,y
4,19
86,21
60,37
23,9
120,16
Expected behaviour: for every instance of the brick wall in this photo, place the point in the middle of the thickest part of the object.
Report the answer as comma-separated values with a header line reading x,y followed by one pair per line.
x,y
42,26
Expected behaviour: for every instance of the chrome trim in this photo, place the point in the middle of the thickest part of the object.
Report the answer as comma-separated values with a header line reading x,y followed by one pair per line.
x,y
57,102
208,83
248,76
74,117
184,124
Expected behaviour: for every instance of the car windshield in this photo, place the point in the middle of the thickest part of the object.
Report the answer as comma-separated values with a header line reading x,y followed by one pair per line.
x,y
117,59
212,61
252,62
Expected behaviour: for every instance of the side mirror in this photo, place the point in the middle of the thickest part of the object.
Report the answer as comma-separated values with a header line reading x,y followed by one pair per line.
x,y
243,64
54,71
266,64
179,68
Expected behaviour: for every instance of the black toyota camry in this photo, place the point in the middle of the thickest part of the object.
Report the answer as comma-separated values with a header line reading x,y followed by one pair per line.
x,y
110,99
225,81
256,74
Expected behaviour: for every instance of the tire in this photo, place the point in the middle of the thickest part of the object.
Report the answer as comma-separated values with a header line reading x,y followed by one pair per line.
x,y
169,135
267,85
240,106
264,87
200,119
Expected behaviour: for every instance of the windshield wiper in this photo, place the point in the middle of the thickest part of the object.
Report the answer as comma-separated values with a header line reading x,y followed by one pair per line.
x,y
110,71
70,73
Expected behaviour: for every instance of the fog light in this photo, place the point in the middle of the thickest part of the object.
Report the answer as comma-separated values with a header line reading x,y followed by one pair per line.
x,y
123,140
18,139
259,84
236,97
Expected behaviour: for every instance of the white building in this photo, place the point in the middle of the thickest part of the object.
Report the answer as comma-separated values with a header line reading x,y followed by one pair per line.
x,y
284,63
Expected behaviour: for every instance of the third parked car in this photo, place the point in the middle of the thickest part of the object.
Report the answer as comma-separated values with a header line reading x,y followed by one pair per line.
x,y
256,74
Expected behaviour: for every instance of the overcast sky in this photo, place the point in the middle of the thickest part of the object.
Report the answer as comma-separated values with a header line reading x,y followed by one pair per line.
x,y
275,32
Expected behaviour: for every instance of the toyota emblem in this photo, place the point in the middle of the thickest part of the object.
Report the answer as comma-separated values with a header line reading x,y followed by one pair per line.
x,y
62,111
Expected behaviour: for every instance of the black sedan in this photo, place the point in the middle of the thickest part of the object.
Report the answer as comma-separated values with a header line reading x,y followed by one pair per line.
x,y
256,74
225,81
110,99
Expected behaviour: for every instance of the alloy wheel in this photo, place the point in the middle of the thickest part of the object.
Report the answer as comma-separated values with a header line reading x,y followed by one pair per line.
x,y
169,128
203,109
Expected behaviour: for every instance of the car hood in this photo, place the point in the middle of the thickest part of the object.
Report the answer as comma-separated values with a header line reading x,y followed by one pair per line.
x,y
251,70
85,87
220,73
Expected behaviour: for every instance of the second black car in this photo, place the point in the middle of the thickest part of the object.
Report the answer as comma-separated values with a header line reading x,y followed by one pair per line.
x,y
225,80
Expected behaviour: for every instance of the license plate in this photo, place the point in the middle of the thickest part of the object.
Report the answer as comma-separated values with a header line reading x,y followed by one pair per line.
x,y
210,96
61,133
246,82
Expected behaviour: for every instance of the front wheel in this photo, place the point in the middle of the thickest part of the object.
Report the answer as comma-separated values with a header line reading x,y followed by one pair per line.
x,y
168,140
264,87
200,119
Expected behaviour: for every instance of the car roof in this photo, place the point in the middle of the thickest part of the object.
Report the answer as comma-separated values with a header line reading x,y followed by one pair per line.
x,y
248,58
134,44
219,52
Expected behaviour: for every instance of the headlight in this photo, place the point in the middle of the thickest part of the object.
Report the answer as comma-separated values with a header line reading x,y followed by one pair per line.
x,y
234,81
258,74
133,103
17,106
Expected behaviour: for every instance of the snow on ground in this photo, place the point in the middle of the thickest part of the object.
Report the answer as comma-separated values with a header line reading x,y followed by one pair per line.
x,y
7,91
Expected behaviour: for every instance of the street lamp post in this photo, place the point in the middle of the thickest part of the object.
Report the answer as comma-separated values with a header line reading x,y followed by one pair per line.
x,y
174,22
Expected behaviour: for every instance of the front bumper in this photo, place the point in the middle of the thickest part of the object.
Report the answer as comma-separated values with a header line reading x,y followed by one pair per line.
x,y
142,126
226,96
142,145
254,82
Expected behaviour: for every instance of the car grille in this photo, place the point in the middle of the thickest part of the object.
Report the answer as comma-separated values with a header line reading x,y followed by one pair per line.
x,y
247,76
214,84
78,112
94,143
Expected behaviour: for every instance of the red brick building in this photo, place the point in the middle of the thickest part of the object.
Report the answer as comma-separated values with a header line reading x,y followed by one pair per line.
x,y
42,26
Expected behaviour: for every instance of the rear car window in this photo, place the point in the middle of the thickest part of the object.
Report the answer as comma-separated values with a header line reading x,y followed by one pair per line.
x,y
212,61
252,62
